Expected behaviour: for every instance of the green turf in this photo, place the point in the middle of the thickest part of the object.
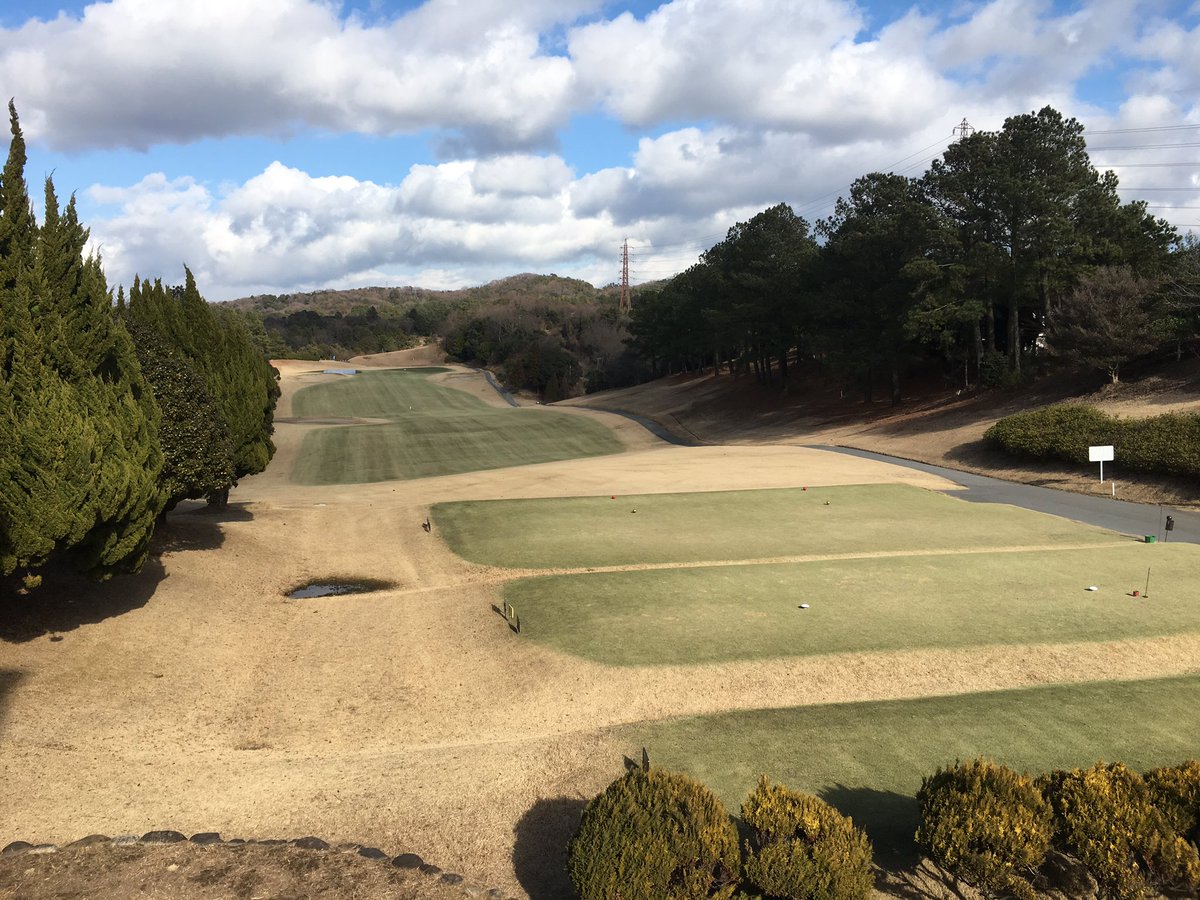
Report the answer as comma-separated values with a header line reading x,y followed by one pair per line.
x,y
430,430
734,525
868,759
712,614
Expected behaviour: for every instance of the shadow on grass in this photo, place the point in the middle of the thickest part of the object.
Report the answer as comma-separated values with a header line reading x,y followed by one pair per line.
x,y
66,601
888,818
890,821
540,850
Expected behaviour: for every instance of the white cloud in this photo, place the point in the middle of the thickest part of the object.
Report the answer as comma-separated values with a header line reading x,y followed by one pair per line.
x,y
133,73
287,228
772,63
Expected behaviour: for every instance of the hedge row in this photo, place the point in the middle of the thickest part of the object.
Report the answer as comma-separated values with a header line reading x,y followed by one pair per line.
x,y
1168,444
659,835
993,828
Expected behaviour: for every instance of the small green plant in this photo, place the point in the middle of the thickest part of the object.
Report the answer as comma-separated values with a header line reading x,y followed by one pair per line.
x,y
986,824
1105,816
803,848
654,835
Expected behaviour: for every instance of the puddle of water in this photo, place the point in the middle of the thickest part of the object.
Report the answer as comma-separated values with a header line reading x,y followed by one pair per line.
x,y
332,589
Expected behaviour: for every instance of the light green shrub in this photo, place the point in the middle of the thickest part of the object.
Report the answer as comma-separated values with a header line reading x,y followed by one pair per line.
x,y
654,835
1105,816
803,848
986,824
1176,792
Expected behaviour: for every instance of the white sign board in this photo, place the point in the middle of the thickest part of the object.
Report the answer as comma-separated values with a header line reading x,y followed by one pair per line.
x,y
1101,455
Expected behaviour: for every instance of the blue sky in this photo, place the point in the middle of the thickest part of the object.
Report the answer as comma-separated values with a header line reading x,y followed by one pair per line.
x,y
284,145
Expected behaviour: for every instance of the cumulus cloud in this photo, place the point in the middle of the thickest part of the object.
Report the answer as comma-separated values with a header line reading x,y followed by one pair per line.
x,y
287,228
134,73
774,63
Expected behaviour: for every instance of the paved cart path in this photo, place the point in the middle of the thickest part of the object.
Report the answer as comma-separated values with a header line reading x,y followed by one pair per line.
x,y
1117,515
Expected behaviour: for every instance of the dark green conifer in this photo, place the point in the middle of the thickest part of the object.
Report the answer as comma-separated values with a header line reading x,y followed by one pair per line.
x,y
80,456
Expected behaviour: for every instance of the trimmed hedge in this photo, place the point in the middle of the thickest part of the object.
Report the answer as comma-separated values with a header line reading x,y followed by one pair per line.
x,y
1105,816
654,835
1168,444
803,848
986,824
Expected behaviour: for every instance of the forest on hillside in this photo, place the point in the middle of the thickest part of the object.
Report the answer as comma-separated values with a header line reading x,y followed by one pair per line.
x,y
1011,255
112,410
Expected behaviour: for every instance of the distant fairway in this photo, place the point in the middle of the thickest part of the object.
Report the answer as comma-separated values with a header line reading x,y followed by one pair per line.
x,y
576,532
868,758
430,430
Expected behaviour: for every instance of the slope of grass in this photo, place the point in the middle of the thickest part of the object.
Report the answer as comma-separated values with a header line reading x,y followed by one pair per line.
x,y
733,525
430,430
868,759
719,613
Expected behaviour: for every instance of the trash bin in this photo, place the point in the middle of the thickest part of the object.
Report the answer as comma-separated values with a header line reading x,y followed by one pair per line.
x,y
1152,539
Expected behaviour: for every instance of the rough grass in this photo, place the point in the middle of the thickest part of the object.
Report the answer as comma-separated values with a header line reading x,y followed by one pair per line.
x,y
714,614
868,759
430,430
577,532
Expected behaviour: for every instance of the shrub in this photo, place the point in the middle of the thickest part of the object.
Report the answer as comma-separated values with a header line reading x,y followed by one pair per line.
x,y
654,835
803,848
985,824
1062,432
1106,817
1176,792
1169,443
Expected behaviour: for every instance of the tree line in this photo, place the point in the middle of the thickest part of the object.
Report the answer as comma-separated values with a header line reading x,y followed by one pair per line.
x,y
110,413
1010,250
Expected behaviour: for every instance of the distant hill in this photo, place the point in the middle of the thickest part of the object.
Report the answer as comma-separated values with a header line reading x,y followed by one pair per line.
x,y
551,335
526,286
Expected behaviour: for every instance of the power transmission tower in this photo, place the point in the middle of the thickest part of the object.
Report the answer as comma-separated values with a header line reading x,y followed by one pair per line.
x,y
626,302
963,129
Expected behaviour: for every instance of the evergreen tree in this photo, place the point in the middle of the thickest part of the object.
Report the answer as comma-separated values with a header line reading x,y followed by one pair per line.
x,y
80,454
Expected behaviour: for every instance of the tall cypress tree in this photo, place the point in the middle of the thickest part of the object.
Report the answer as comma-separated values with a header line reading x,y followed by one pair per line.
x,y
81,457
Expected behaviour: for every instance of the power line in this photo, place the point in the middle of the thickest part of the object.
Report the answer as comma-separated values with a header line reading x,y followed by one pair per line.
x,y
1151,130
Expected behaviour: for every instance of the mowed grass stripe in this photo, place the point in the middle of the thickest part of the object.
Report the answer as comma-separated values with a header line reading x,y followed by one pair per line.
x,y
716,614
868,759
430,431
386,394
577,532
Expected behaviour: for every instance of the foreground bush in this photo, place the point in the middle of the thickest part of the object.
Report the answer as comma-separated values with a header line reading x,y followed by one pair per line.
x,y
985,824
1176,792
803,848
654,835
1105,816
1169,444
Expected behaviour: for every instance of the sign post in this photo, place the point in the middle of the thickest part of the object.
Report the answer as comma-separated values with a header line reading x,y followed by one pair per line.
x,y
1100,455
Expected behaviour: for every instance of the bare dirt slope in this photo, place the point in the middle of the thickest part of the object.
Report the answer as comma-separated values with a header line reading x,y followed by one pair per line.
x,y
196,697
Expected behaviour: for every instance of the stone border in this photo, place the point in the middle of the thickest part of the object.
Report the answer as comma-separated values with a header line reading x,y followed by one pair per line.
x,y
410,861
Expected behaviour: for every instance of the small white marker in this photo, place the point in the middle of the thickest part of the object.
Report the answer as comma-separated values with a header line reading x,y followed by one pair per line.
x,y
1092,588
804,606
